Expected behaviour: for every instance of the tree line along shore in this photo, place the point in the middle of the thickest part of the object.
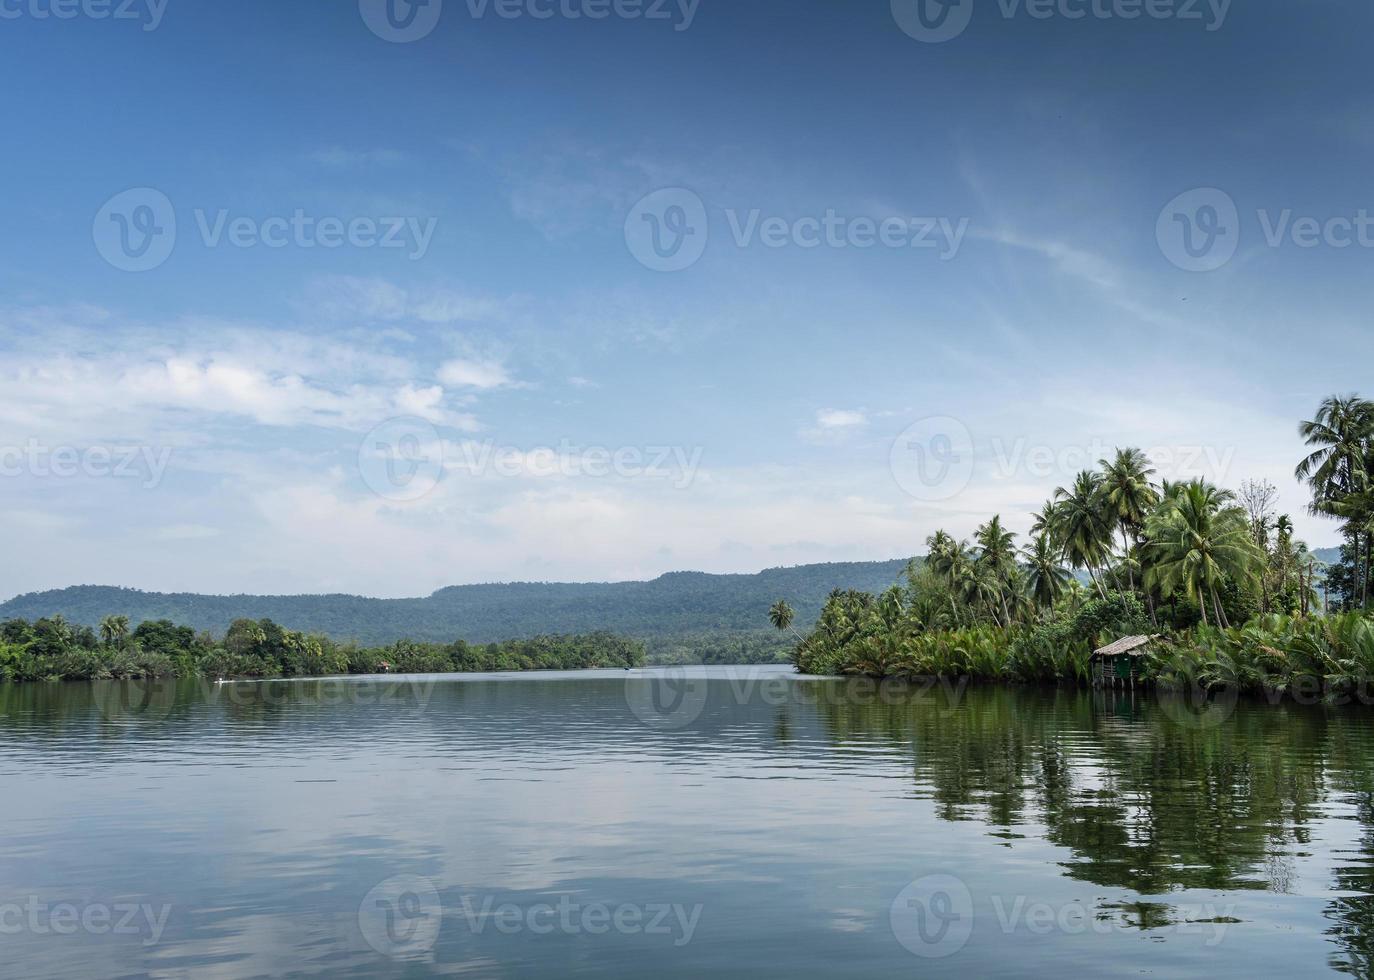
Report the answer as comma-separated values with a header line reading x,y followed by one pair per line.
x,y
1232,599
53,649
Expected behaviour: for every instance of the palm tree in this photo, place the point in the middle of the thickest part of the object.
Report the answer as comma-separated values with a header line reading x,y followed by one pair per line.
x,y
1083,527
1046,577
950,560
997,561
940,548
1074,596
1201,538
113,630
781,614
1341,435
1340,470
1129,497
1308,568
1046,525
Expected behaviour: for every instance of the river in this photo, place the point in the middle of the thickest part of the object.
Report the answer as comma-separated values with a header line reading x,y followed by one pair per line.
x,y
729,821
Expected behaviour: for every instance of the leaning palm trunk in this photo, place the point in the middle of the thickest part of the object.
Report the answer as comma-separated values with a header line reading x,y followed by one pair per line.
x,y
1216,606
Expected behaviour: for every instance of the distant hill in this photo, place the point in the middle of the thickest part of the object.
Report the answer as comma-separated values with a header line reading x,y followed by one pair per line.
x,y
1330,556
678,610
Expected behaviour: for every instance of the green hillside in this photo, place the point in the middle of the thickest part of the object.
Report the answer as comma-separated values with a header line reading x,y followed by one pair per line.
x,y
681,614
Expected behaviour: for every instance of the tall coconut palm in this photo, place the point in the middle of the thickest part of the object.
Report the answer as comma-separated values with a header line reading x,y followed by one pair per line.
x,y
940,548
1339,462
1307,568
1284,558
1340,471
1046,578
780,614
1201,538
1046,525
1128,497
950,560
1084,531
1074,596
997,561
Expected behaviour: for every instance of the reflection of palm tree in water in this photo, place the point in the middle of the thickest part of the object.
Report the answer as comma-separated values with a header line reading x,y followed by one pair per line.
x,y
1140,802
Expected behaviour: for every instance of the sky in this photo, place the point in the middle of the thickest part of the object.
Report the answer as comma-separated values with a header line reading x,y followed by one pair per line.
x,y
376,298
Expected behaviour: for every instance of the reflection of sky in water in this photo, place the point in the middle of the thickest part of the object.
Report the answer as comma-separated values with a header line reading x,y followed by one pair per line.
x,y
790,813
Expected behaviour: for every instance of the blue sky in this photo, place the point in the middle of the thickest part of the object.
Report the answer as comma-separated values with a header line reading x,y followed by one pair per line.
x,y
554,408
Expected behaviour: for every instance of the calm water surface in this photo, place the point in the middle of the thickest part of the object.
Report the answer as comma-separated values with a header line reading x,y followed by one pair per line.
x,y
737,821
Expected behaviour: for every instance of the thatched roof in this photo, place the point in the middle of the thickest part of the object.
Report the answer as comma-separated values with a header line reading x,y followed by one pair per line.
x,y
1133,645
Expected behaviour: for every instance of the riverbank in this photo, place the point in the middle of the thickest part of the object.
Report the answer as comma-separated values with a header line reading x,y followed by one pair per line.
x,y
1314,658
53,649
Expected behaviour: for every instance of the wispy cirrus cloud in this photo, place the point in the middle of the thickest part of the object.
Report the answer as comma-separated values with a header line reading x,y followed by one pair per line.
x,y
374,300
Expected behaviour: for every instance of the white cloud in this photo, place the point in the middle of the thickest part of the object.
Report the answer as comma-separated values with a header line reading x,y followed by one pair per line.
x,y
840,419
183,383
833,426
463,373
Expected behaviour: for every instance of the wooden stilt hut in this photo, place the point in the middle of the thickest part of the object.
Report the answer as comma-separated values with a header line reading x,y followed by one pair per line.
x,y
1118,664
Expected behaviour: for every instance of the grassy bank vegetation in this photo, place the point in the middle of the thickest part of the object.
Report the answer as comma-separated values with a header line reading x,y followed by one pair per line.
x,y
53,649
1236,601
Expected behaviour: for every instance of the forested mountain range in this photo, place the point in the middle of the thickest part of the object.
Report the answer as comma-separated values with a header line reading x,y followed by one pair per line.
x,y
677,611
